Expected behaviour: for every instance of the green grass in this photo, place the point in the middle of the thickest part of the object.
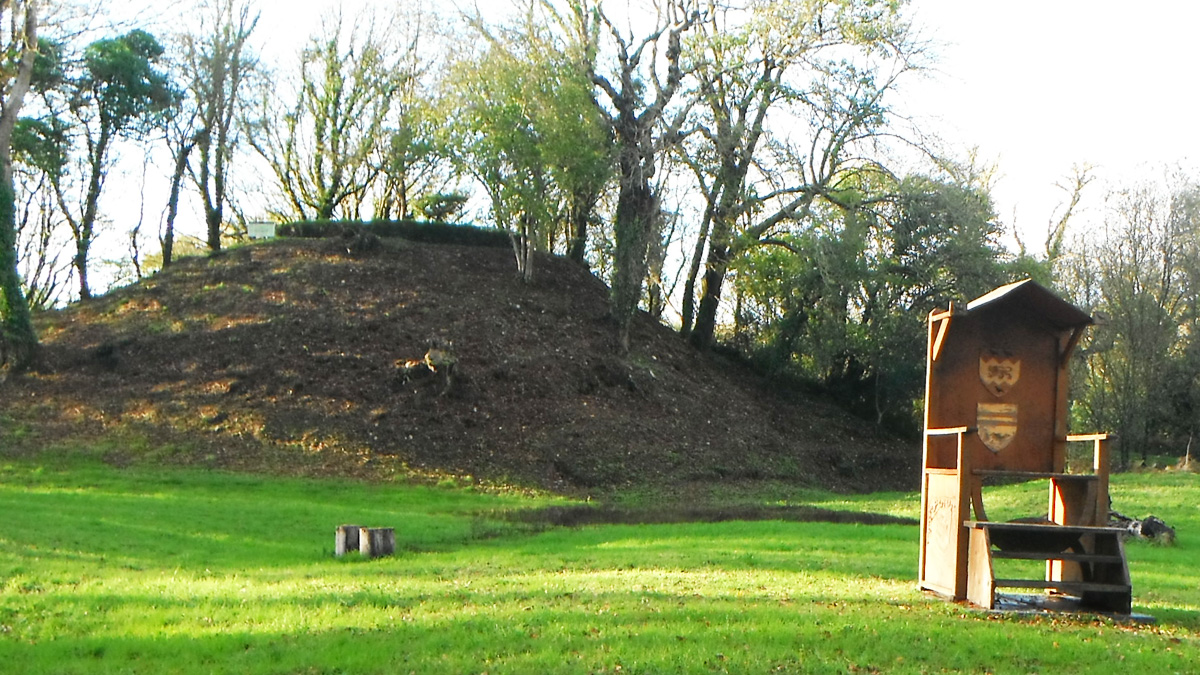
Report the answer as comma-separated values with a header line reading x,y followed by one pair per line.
x,y
162,571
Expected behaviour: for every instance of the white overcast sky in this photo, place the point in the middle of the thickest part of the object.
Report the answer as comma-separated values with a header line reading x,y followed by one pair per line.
x,y
1040,86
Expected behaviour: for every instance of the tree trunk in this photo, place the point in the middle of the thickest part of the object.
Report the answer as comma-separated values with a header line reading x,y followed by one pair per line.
x,y
577,248
325,208
720,246
710,301
523,246
168,240
214,212
213,219
18,340
633,125
689,286
656,259
82,243
637,213
91,208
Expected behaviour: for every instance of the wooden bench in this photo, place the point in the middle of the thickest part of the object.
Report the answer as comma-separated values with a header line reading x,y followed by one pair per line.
x,y
1087,562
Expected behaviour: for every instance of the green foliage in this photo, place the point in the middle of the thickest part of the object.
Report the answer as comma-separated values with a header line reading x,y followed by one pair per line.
x,y
41,144
146,571
49,70
844,302
413,230
123,81
442,207
831,66
414,159
116,89
526,127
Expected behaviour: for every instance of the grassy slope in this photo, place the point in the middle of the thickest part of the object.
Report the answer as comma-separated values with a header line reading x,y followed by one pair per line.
x,y
103,570
280,358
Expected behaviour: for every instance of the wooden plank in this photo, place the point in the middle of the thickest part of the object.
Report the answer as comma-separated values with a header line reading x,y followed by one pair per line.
x,y
980,589
964,511
942,532
940,589
1072,343
1073,502
1100,465
1000,473
1065,586
949,431
942,315
1073,557
977,500
1084,438
1031,527
943,326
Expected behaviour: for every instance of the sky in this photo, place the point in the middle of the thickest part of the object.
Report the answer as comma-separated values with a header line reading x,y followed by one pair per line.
x,y
1040,86
1036,86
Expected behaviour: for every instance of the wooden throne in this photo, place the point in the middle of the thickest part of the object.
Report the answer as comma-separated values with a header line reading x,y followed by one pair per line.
x,y
996,410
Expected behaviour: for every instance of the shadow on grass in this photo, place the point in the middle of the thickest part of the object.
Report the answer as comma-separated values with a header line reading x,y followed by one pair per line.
x,y
577,515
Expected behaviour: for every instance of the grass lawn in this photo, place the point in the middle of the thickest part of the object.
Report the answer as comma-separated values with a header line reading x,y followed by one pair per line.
x,y
162,571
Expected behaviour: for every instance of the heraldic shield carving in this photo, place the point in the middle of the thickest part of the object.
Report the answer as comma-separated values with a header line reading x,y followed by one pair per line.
x,y
997,424
999,371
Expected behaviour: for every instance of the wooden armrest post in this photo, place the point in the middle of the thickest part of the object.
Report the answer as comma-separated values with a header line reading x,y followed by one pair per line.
x,y
1100,465
1100,468
966,495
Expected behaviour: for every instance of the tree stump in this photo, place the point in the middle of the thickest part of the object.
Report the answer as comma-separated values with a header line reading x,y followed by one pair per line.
x,y
346,539
375,542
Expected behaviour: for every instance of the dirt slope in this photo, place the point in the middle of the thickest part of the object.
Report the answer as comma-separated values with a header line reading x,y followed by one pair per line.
x,y
282,357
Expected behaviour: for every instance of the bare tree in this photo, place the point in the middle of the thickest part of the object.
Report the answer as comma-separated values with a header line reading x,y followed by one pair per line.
x,y
828,64
1138,274
117,91
181,138
41,243
1046,267
217,67
634,95
410,160
323,150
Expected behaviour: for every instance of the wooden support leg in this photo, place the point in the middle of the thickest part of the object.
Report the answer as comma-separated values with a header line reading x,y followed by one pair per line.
x,y
980,587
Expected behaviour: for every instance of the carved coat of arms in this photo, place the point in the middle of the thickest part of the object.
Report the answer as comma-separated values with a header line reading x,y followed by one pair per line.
x,y
999,371
997,423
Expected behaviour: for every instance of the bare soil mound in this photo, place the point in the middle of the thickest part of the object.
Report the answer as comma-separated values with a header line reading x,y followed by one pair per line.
x,y
305,357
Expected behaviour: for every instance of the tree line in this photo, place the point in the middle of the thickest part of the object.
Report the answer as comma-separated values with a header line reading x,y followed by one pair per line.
x,y
738,170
